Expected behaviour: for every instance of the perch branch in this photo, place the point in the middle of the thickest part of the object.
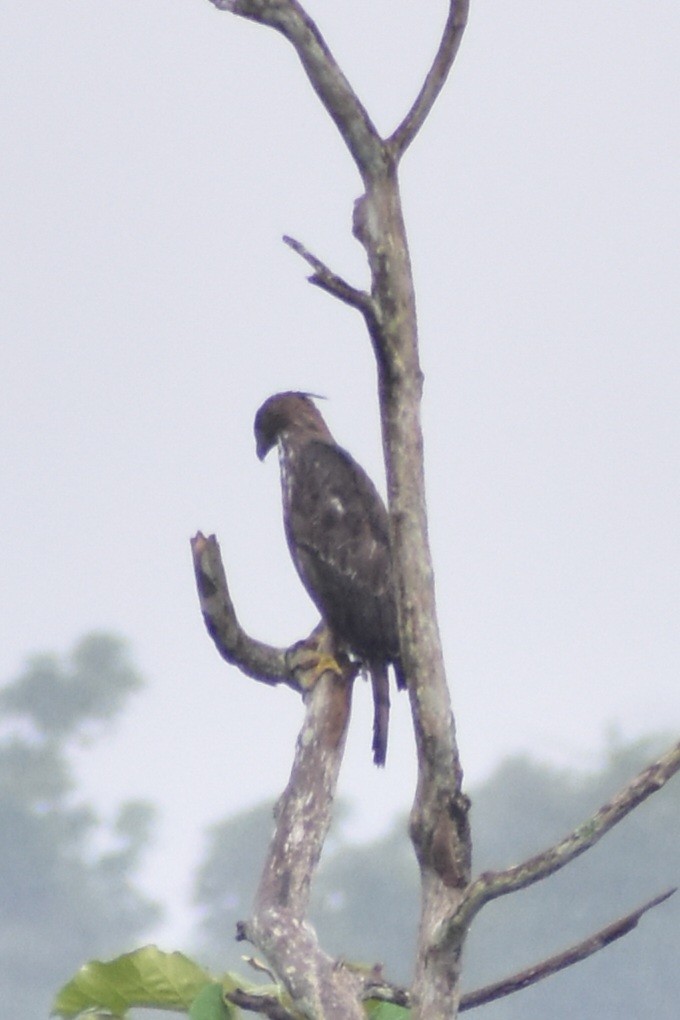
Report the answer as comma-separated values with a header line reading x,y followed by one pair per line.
x,y
279,929
294,666
434,82
553,964
492,884
326,77
329,281
256,660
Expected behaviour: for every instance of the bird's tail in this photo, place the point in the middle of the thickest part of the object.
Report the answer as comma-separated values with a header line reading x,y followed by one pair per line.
x,y
399,675
381,710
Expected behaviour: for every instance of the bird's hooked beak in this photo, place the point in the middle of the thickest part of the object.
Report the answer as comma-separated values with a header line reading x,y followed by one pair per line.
x,y
262,446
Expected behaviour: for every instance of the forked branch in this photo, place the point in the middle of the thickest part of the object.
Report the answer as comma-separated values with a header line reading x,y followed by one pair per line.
x,y
318,986
382,991
279,928
492,884
435,79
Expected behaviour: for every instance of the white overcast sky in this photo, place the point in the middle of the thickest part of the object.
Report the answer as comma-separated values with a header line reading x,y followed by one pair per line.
x,y
153,155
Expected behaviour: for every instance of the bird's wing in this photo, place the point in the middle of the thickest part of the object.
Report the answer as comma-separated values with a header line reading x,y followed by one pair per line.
x,y
337,528
336,511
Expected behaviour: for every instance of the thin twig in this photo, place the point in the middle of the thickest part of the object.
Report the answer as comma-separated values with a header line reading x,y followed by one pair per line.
x,y
326,77
553,964
434,82
492,884
329,281
268,1005
386,992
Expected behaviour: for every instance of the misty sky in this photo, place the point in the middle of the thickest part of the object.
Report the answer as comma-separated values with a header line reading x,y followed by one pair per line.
x,y
153,155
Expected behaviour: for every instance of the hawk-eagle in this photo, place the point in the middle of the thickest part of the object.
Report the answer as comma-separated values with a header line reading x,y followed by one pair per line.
x,y
337,530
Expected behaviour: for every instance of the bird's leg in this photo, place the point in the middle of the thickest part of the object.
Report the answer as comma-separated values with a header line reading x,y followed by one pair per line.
x,y
317,654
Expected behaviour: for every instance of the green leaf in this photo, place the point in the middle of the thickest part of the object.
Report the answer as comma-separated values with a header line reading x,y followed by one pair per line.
x,y
146,977
386,1011
209,1004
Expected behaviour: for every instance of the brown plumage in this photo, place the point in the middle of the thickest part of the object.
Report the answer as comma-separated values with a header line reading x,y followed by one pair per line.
x,y
337,530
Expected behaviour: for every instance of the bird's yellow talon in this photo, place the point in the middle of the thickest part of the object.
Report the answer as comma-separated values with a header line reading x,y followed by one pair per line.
x,y
307,665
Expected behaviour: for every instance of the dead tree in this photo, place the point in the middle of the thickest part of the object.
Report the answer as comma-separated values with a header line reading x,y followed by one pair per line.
x,y
319,986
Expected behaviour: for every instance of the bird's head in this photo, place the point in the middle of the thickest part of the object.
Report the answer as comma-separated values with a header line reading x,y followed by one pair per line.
x,y
287,414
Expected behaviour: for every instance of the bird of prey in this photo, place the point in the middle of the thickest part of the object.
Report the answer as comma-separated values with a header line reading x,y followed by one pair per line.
x,y
337,530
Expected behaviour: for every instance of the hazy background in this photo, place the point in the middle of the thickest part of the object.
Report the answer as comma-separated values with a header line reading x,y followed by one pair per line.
x,y
153,155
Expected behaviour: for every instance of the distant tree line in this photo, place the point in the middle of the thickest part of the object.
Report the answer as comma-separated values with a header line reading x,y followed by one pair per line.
x,y
62,901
